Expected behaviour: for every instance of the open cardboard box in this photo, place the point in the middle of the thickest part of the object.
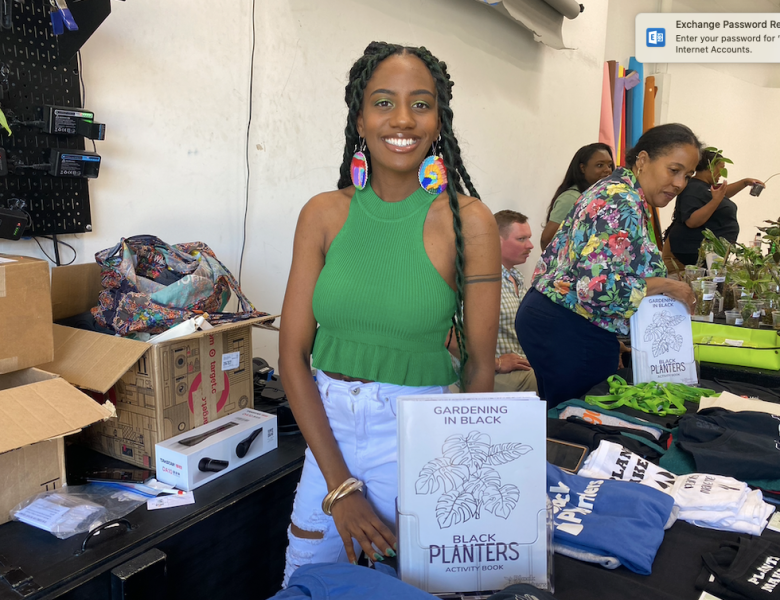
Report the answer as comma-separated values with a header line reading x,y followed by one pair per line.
x,y
36,410
160,390
25,313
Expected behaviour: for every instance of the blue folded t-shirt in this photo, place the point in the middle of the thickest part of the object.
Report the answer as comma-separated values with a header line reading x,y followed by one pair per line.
x,y
609,518
321,581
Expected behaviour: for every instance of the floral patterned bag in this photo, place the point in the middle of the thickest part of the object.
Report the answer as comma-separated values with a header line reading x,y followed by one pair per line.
x,y
150,286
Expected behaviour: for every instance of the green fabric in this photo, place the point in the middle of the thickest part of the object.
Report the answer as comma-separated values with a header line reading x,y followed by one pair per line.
x,y
563,204
383,309
656,398
678,461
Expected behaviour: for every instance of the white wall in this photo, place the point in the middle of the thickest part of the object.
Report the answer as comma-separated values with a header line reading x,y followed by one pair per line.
x,y
731,106
171,83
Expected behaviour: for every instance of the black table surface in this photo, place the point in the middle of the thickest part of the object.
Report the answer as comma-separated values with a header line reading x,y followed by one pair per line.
x,y
58,566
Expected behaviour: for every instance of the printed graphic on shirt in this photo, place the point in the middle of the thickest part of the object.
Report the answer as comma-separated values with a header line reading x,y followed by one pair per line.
x,y
767,575
570,520
468,482
613,461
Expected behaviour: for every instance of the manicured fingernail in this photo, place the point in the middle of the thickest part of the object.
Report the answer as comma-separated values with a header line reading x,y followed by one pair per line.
x,y
354,562
395,546
390,552
378,556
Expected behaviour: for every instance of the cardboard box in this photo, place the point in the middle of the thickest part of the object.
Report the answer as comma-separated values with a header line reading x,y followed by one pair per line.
x,y
160,390
191,459
36,410
25,313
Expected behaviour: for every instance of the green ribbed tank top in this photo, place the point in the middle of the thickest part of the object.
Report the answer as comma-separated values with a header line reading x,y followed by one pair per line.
x,y
383,309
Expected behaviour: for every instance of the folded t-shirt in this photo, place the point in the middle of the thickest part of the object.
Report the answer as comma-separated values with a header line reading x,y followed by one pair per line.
x,y
608,518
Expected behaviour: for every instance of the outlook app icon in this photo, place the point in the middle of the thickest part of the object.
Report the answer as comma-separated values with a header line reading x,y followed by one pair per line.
x,y
656,37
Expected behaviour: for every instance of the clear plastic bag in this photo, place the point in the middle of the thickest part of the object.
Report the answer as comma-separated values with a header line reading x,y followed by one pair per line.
x,y
76,509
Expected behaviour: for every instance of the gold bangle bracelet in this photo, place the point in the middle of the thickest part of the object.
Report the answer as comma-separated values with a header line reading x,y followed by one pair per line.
x,y
355,487
349,486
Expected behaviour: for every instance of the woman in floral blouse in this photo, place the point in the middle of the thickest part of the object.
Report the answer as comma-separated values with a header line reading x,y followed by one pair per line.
x,y
600,265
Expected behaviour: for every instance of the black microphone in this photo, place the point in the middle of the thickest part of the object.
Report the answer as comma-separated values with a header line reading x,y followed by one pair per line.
x,y
243,445
212,464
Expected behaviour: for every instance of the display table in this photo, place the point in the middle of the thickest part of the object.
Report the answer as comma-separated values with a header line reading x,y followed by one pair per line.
x,y
676,566
229,544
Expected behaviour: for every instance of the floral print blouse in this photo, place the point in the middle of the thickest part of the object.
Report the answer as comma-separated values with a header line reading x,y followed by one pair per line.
x,y
597,263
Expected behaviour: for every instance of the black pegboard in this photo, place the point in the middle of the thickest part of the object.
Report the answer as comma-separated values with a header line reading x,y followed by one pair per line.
x,y
37,75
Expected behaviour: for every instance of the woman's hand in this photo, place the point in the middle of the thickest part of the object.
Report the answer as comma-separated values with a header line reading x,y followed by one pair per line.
x,y
750,181
719,193
508,363
355,519
679,290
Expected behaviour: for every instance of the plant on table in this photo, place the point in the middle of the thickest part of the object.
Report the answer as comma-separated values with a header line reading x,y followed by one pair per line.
x,y
722,248
754,277
772,239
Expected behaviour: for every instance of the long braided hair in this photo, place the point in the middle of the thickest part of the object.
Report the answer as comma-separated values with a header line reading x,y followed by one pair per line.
x,y
457,176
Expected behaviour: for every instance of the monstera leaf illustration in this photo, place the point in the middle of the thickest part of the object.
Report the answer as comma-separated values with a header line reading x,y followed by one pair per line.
x,y
455,508
481,479
468,481
500,454
471,450
500,500
441,472
662,333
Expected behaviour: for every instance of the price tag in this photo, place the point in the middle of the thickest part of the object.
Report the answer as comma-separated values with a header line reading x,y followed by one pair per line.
x,y
757,314
738,321
719,279
707,297
231,360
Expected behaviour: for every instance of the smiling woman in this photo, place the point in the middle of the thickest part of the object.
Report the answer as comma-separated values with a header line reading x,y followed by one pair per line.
x,y
600,265
381,268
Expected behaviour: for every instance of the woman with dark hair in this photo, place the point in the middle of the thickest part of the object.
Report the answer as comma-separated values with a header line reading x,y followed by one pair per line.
x,y
589,164
600,265
382,267
702,206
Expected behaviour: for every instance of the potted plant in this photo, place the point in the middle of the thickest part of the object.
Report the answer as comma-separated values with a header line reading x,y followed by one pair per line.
x,y
722,248
772,238
717,166
754,277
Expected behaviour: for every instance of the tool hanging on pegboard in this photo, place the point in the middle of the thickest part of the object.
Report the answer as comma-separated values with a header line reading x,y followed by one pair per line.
x,y
40,97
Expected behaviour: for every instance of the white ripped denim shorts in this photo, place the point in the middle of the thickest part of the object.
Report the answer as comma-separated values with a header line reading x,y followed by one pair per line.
x,y
363,419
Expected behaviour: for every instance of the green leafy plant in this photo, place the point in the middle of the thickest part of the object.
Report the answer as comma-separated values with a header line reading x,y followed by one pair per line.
x,y
753,274
718,158
719,245
772,237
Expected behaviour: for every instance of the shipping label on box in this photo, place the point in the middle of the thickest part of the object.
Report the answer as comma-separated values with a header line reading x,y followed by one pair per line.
x,y
662,342
196,457
471,494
